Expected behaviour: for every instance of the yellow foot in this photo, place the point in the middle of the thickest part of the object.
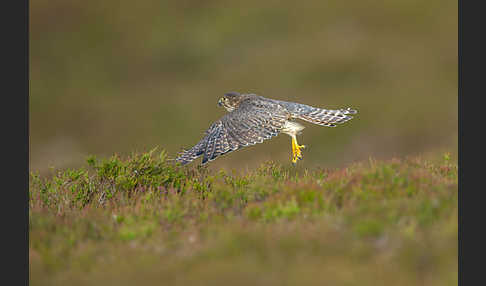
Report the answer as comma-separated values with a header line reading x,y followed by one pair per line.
x,y
296,150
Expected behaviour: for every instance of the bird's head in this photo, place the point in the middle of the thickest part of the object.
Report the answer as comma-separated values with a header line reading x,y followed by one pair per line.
x,y
230,100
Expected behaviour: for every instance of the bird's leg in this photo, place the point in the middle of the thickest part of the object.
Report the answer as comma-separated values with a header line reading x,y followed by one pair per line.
x,y
296,150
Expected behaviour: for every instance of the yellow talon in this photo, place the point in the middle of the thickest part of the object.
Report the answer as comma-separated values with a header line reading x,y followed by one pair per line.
x,y
296,150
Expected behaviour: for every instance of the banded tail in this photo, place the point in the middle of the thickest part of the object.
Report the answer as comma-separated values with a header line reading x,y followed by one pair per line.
x,y
325,117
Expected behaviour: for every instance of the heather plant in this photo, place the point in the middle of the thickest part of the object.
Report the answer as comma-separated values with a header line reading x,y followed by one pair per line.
x,y
144,218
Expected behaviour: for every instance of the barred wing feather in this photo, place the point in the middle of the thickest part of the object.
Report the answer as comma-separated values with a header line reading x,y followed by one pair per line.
x,y
252,122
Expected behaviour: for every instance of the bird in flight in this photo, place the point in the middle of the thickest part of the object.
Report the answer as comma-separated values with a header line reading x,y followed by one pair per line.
x,y
252,119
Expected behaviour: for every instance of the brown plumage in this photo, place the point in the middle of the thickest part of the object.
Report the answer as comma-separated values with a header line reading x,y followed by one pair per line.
x,y
252,119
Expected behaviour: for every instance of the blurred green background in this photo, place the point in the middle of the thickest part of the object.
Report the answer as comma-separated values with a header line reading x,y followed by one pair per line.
x,y
121,76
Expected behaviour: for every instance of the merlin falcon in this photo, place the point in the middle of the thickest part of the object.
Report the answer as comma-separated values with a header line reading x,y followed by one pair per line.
x,y
252,119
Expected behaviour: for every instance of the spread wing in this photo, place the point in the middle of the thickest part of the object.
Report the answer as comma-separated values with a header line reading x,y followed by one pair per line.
x,y
251,122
